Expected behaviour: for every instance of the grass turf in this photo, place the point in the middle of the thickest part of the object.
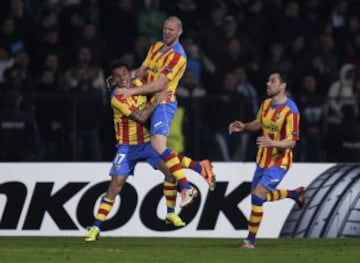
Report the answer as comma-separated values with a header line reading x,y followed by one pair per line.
x,y
168,250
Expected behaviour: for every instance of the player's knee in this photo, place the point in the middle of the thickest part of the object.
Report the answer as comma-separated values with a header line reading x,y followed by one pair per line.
x,y
260,191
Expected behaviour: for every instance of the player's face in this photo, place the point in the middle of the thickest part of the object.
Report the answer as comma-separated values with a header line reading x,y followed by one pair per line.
x,y
171,32
274,85
122,77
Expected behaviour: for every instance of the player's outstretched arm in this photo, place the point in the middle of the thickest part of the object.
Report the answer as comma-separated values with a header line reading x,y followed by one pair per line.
x,y
238,126
147,88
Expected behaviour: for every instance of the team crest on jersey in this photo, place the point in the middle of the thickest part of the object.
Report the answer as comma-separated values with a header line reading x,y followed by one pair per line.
x,y
154,69
272,127
278,116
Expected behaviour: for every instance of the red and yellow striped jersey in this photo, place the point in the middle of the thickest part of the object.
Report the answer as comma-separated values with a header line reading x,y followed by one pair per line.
x,y
170,61
279,122
128,131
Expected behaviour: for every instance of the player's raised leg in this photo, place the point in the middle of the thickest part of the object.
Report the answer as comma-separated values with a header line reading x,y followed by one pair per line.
x,y
171,161
204,168
298,195
160,128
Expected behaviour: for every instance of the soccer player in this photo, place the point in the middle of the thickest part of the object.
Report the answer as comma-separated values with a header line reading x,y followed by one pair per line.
x,y
278,118
163,68
134,145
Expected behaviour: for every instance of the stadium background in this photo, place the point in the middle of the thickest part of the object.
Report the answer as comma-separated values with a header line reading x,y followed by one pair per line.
x,y
55,54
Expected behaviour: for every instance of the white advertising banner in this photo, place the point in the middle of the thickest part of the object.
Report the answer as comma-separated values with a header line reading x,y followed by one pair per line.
x,y
61,199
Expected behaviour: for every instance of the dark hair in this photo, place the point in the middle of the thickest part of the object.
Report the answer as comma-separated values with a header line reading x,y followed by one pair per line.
x,y
117,63
283,76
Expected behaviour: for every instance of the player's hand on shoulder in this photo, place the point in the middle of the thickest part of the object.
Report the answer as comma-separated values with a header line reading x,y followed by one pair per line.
x,y
236,126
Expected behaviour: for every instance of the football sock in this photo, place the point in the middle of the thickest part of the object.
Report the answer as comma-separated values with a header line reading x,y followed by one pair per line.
x,y
255,217
170,192
281,194
187,162
104,209
173,163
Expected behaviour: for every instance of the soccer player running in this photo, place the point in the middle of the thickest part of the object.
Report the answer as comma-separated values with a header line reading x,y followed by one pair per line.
x,y
163,68
278,118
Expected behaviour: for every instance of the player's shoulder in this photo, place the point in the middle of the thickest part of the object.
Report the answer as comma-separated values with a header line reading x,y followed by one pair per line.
x,y
178,48
158,44
118,98
266,102
292,105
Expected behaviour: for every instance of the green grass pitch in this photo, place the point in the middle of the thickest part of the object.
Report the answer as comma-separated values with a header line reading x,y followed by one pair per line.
x,y
168,250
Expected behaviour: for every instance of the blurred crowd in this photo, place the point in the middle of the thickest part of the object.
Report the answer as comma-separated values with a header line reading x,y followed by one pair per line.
x,y
55,56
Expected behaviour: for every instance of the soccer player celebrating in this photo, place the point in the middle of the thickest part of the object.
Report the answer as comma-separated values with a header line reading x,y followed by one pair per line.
x,y
133,146
163,68
278,118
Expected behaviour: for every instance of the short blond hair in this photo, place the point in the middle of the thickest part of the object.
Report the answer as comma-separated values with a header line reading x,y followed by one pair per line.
x,y
175,19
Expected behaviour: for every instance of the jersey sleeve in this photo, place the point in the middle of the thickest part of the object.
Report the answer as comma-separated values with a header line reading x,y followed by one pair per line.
x,y
292,126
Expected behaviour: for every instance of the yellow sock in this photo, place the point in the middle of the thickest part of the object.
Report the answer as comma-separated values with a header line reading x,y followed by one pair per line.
x,y
170,192
277,195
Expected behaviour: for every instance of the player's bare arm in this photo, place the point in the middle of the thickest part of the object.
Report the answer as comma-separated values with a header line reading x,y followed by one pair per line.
x,y
266,141
238,126
147,88
143,114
